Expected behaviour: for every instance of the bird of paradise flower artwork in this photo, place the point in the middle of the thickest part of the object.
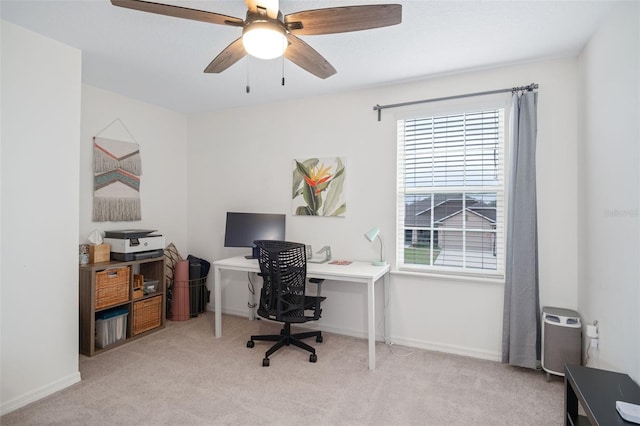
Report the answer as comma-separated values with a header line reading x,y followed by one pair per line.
x,y
318,187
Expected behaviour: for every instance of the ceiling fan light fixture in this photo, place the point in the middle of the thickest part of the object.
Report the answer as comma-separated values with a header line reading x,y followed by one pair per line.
x,y
264,39
267,33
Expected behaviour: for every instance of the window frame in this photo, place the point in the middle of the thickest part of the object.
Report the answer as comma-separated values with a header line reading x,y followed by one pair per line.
x,y
439,109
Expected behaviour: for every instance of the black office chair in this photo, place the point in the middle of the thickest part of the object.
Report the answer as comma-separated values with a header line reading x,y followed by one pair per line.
x,y
283,267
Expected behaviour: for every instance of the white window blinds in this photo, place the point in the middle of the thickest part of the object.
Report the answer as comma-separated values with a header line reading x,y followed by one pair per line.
x,y
450,204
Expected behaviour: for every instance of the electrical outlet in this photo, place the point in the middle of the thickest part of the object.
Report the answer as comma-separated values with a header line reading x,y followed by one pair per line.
x,y
594,343
592,330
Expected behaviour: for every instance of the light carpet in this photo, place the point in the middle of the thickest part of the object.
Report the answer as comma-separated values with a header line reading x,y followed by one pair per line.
x,y
183,375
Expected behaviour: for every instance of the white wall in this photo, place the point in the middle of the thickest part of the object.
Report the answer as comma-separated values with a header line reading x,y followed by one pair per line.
x,y
241,160
39,243
609,213
47,195
162,136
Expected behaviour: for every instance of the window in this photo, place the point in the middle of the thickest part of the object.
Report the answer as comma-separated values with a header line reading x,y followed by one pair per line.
x,y
451,193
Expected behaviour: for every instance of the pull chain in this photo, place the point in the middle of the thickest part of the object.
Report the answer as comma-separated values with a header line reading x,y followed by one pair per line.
x,y
248,87
283,70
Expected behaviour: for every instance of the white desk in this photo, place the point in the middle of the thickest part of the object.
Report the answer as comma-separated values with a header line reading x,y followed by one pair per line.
x,y
359,272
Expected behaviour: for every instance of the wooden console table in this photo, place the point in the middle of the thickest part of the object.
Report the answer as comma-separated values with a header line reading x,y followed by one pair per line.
x,y
597,391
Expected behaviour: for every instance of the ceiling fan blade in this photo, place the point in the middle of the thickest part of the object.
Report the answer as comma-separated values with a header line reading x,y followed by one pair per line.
x,y
229,56
272,7
179,12
304,56
343,19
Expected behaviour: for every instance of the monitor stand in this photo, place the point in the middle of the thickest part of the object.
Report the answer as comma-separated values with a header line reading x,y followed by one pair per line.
x,y
254,253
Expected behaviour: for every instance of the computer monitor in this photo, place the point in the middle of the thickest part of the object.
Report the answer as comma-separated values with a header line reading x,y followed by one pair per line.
x,y
243,229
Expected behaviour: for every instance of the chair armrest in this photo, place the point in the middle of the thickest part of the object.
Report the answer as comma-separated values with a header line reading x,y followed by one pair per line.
x,y
318,282
313,302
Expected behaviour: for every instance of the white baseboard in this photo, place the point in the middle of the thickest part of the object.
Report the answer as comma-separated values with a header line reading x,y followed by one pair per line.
x,y
431,346
39,393
450,349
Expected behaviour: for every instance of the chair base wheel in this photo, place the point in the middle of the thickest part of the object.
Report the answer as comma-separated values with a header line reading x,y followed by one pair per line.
x,y
286,338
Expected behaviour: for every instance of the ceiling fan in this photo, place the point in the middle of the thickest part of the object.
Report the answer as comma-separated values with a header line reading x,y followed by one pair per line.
x,y
268,34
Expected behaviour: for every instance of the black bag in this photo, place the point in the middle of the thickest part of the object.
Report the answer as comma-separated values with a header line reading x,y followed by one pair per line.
x,y
199,295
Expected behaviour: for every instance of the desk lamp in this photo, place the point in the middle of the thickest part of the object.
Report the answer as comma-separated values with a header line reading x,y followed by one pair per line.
x,y
371,235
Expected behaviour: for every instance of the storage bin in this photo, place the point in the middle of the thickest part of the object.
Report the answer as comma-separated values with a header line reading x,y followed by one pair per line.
x,y
112,287
147,314
198,296
111,326
151,286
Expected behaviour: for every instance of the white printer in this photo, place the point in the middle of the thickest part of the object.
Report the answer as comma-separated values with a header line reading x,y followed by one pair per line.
x,y
134,244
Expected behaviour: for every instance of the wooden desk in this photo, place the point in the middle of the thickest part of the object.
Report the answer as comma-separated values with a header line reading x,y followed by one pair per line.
x,y
597,391
359,272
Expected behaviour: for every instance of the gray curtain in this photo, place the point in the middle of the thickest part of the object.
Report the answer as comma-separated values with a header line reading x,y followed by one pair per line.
x,y
521,321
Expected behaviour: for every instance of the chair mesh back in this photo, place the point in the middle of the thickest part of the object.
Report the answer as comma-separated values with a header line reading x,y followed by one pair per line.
x,y
283,266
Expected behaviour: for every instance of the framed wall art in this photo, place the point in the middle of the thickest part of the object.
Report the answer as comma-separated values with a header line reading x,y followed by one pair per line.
x,y
319,187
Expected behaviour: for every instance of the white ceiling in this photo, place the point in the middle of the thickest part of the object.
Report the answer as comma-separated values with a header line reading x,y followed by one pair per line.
x,y
160,59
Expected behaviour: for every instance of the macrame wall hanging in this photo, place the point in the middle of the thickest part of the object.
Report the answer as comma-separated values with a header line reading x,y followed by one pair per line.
x,y
117,169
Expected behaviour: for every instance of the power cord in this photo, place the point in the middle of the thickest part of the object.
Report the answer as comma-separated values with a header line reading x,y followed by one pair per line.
x,y
407,351
589,352
389,343
252,290
586,357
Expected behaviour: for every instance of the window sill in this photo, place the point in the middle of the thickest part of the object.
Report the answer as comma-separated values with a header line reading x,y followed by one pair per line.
x,y
480,278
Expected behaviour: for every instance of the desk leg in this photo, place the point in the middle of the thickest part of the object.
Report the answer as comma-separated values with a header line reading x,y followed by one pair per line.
x,y
372,323
570,403
217,301
384,309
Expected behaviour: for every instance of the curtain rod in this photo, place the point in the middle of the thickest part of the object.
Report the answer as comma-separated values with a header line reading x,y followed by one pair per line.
x,y
379,108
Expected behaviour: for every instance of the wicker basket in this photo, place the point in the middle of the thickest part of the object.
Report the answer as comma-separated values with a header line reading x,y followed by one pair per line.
x,y
147,314
112,287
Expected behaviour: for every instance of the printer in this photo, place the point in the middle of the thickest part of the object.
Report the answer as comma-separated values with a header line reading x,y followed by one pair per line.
x,y
134,244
